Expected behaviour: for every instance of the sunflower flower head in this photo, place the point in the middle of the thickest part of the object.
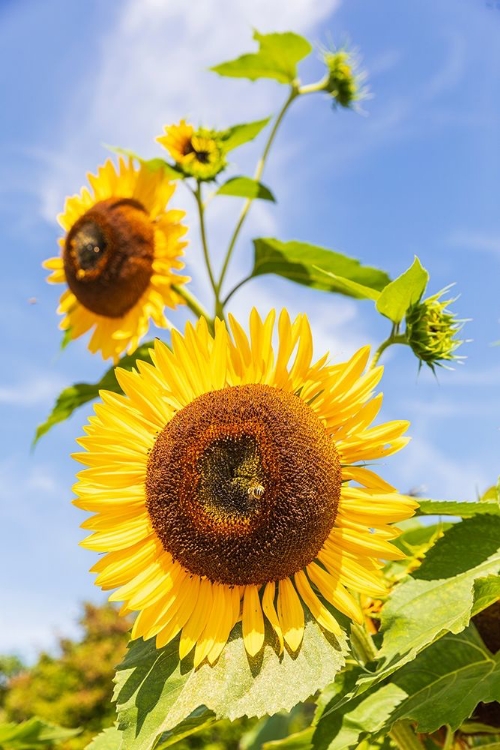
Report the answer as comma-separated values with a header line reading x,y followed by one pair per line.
x,y
197,153
228,483
118,258
432,331
343,80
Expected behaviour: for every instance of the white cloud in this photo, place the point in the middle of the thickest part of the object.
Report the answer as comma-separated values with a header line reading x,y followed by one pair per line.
x,y
38,390
475,240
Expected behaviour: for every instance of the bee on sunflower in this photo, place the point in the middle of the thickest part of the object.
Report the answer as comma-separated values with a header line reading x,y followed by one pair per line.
x,y
221,484
118,258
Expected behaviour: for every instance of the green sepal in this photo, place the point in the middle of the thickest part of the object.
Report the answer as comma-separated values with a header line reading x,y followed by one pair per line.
x,y
277,58
246,187
32,734
398,296
240,134
153,164
155,692
79,394
317,267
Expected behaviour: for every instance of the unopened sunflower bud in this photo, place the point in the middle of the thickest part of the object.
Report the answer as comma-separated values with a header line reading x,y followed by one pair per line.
x,y
197,153
343,82
431,329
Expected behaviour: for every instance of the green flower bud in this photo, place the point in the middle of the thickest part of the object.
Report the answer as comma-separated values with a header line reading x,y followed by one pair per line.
x,y
431,330
343,81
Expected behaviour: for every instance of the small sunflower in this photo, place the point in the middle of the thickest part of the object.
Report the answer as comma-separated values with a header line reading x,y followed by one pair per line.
x,y
197,153
222,487
118,257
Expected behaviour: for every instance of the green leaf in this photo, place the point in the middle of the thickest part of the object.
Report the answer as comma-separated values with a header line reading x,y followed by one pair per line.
x,y
198,720
277,58
463,509
155,692
109,739
79,394
246,187
243,133
439,596
403,292
441,686
153,164
486,592
32,734
317,267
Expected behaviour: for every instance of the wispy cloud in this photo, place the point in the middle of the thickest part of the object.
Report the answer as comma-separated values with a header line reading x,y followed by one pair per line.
x,y
36,391
475,240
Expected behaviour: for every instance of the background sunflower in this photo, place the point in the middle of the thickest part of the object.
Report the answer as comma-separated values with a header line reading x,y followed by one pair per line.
x,y
118,257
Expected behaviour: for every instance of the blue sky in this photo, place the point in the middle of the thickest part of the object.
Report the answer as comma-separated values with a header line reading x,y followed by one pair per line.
x,y
417,174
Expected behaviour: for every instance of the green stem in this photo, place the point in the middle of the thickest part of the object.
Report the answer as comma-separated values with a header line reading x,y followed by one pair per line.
x,y
194,305
294,92
404,736
235,289
450,736
314,88
203,232
362,643
394,338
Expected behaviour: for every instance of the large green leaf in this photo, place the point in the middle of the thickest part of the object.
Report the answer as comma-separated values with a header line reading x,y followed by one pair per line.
x,y
81,393
400,294
246,187
317,267
439,596
243,133
463,509
277,58
109,739
441,686
155,692
32,734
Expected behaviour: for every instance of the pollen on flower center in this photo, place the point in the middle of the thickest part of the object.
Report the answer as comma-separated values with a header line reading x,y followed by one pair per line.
x,y
108,256
243,485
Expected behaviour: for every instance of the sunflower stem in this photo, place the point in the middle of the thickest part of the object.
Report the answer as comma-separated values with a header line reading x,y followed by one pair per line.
x,y
194,305
404,737
394,338
294,92
204,243
362,643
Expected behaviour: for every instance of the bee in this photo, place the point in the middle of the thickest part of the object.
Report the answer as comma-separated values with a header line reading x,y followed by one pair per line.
x,y
256,491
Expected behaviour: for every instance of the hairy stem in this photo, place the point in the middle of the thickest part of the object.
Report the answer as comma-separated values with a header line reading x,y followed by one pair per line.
x,y
194,305
394,338
204,243
294,92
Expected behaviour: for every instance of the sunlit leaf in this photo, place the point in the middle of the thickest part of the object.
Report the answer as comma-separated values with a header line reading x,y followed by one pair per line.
x,y
108,739
463,509
79,394
317,267
403,292
245,187
277,58
243,133
155,692
439,596
441,686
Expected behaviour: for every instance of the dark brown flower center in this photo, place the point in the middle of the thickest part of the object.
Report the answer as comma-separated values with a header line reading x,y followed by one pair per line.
x,y
243,485
108,256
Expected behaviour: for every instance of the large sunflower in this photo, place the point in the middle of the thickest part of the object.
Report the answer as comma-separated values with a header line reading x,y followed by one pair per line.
x,y
118,257
222,487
